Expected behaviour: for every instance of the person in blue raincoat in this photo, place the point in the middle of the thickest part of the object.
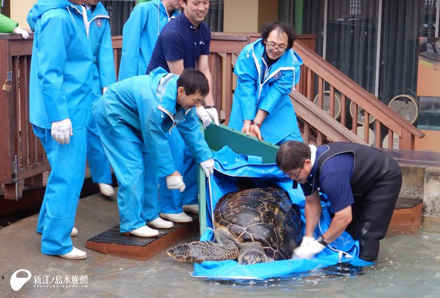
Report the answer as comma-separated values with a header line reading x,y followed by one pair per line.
x,y
59,103
184,43
134,117
140,34
267,70
103,76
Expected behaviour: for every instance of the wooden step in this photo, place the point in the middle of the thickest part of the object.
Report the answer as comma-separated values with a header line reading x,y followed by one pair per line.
x,y
407,217
112,242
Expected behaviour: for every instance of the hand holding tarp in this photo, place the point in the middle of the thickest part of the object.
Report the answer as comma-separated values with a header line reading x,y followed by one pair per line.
x,y
208,167
308,249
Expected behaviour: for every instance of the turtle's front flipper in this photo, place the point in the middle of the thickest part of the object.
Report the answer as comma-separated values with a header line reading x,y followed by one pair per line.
x,y
200,251
251,253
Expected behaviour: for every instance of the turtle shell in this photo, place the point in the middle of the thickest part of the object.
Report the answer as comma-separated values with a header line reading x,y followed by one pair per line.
x,y
261,215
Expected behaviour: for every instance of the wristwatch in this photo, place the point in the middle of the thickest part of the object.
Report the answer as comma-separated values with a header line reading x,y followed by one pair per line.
x,y
321,240
256,124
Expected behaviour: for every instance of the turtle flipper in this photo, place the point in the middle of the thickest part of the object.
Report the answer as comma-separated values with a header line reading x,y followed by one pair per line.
x,y
251,253
200,251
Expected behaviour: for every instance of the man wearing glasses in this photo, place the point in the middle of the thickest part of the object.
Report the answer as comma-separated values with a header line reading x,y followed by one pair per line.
x,y
361,183
267,70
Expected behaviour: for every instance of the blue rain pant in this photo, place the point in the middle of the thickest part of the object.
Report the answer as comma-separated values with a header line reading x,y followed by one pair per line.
x,y
57,213
137,192
171,201
98,162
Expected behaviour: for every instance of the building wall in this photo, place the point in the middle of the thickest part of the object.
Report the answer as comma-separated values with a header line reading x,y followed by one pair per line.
x,y
431,141
20,10
248,15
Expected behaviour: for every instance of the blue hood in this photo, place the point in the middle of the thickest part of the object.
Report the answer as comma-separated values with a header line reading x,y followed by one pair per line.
x,y
41,7
100,10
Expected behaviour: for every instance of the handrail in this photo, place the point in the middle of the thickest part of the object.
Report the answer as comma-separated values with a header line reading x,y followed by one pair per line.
x,y
317,121
316,67
225,48
23,159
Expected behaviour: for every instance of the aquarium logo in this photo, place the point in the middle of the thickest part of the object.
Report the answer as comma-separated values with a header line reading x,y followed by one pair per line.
x,y
18,282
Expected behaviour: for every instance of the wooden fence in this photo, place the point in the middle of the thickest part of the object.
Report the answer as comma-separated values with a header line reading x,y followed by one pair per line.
x,y
23,161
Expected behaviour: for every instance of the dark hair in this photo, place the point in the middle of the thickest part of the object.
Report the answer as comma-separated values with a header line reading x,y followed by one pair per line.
x,y
283,27
291,155
193,80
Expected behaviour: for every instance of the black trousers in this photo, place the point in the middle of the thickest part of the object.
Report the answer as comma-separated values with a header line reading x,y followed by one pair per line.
x,y
372,212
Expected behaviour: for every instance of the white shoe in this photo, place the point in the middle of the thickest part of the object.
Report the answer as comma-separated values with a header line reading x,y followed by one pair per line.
x,y
75,254
193,208
144,231
74,232
106,189
159,223
179,217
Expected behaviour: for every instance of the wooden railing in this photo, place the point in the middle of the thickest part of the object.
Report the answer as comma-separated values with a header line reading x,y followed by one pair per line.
x,y
316,76
22,158
385,123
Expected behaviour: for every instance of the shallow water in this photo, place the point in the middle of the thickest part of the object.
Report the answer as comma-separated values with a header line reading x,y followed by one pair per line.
x,y
408,266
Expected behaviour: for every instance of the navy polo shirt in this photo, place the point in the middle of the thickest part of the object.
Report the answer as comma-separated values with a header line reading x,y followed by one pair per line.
x,y
180,39
333,180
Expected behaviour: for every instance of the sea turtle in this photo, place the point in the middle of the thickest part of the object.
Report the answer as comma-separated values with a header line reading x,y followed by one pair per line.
x,y
253,226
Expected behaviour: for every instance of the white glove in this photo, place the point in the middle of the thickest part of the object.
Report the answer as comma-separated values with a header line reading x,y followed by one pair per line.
x,y
308,249
175,182
104,90
307,240
61,131
208,167
204,116
213,115
18,30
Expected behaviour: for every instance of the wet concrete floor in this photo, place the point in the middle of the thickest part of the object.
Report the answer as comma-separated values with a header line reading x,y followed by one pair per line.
x,y
408,266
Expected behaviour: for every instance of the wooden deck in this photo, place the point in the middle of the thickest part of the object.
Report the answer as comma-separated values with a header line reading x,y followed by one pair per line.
x,y
407,217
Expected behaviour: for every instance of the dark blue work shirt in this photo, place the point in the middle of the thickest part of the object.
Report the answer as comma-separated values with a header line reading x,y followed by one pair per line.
x,y
333,180
178,40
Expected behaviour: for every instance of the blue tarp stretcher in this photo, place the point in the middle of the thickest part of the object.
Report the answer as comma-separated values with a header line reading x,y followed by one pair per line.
x,y
236,170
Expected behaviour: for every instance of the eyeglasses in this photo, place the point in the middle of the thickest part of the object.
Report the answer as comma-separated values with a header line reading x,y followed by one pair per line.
x,y
278,47
290,175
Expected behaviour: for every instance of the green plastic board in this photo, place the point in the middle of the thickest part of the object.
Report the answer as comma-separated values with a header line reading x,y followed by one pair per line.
x,y
219,136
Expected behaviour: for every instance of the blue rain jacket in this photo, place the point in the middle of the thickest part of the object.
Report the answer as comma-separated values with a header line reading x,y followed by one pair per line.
x,y
259,87
230,169
102,49
142,109
60,88
60,84
140,35
103,76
